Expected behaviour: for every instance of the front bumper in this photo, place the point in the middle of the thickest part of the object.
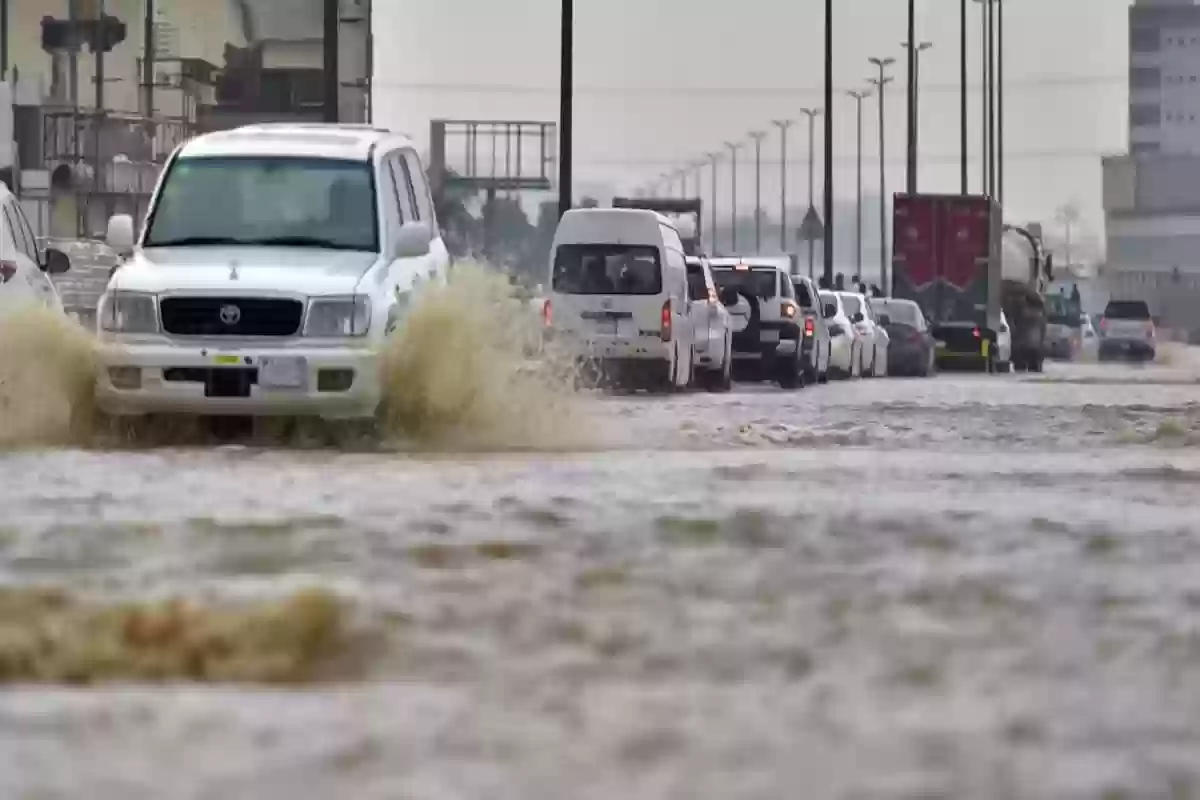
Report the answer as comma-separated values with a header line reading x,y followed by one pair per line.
x,y
224,379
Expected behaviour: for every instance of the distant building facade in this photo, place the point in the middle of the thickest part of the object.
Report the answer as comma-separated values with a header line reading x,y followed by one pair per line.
x,y
1152,193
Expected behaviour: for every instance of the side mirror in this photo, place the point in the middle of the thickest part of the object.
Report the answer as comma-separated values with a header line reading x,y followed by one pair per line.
x,y
829,310
884,320
858,317
412,241
119,235
729,297
55,262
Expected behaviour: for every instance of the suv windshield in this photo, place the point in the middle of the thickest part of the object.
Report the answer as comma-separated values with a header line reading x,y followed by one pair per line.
x,y
266,200
1127,309
760,283
607,269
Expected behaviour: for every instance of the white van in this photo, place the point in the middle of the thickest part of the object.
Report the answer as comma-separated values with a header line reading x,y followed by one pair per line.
x,y
618,293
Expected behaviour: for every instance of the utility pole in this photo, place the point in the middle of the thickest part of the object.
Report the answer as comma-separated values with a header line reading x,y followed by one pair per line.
x,y
329,48
914,105
964,133
828,238
757,137
858,237
1000,102
812,114
991,57
783,125
565,107
149,49
733,151
911,160
99,117
3,40
714,159
880,84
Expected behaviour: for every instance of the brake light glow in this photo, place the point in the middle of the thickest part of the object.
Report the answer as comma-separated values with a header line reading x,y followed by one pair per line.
x,y
978,334
809,326
8,269
666,321
1103,324
547,313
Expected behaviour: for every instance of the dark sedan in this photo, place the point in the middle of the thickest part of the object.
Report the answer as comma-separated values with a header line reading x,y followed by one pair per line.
x,y
912,350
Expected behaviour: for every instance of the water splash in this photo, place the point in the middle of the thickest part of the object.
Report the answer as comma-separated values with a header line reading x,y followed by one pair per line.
x,y
47,379
467,370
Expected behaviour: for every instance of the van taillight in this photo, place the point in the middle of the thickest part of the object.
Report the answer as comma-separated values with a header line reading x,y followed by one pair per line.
x,y
809,326
7,270
666,321
547,313
977,333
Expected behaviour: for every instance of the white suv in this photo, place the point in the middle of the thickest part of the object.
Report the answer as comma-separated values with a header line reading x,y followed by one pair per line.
x,y
274,262
767,322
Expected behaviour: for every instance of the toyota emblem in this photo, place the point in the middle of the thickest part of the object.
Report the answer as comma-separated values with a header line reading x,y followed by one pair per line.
x,y
231,314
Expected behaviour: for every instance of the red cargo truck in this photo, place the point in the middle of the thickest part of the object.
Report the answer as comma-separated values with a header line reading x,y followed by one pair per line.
x,y
946,258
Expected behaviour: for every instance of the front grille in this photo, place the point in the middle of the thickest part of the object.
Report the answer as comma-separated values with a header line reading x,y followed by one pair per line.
x,y
230,316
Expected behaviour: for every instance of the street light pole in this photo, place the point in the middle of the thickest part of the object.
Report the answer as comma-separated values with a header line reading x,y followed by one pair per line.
x,y
812,114
1000,101
915,112
565,110
858,238
733,151
991,56
783,125
757,137
828,238
964,132
880,85
911,102
713,159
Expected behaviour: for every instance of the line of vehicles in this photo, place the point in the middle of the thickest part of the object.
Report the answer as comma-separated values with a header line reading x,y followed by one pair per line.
x,y
643,309
275,261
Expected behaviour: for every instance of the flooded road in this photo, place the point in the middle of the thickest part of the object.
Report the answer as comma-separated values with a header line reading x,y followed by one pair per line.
x,y
965,587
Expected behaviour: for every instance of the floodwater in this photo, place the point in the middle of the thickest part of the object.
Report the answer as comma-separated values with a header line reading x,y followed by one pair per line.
x,y
964,587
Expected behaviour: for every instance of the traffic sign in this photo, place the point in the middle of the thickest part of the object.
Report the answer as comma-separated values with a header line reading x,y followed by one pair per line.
x,y
812,229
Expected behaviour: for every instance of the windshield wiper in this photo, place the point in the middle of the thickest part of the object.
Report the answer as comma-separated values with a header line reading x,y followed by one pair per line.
x,y
302,241
185,241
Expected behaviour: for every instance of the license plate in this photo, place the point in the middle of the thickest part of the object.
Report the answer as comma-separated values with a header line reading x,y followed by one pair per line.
x,y
770,336
227,361
606,327
282,372
940,345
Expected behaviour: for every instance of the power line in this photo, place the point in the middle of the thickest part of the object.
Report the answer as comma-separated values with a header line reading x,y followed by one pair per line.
x,y
1044,82
947,158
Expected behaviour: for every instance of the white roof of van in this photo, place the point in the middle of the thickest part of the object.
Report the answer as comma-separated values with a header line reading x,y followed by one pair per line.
x,y
619,214
314,140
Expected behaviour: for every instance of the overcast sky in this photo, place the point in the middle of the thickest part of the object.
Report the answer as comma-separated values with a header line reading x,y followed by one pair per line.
x,y
660,82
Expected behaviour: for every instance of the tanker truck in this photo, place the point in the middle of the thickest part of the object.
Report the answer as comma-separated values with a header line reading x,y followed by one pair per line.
x,y
950,256
1024,272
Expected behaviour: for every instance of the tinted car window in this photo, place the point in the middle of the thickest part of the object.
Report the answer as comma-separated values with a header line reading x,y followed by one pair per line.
x,y
851,304
1127,309
607,269
696,288
803,295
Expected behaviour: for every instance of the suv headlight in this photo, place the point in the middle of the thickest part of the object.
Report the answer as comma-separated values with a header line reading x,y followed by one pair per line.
x,y
332,317
127,312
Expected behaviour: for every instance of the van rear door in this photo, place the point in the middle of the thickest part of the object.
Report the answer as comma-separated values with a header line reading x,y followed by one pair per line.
x,y
608,292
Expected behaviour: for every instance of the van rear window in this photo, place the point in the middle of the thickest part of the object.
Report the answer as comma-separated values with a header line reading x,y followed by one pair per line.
x,y
607,269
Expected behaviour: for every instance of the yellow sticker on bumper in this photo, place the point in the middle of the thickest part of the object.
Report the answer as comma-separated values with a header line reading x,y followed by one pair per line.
x,y
983,348
227,360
